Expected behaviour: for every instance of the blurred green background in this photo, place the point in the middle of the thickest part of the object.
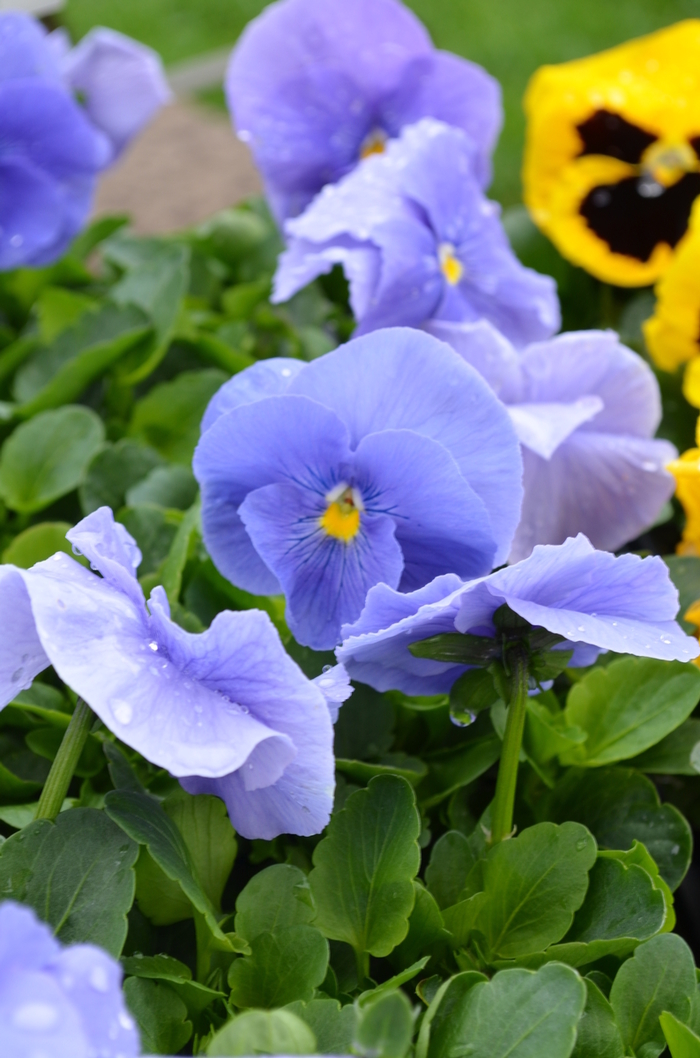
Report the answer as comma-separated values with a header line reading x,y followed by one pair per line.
x,y
511,38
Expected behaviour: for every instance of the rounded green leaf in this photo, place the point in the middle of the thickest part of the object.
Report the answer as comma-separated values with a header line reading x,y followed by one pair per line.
x,y
263,1032
284,966
37,543
48,456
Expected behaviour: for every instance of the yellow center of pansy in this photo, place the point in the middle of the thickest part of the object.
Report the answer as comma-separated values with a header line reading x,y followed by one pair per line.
x,y
373,143
664,163
450,265
342,515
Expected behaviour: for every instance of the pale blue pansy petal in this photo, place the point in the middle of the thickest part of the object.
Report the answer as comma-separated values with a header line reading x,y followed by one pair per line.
x,y
30,211
441,526
38,1018
304,261
487,350
22,657
271,440
110,549
25,942
544,427
91,981
122,83
608,486
419,383
334,684
100,643
595,362
266,378
325,579
375,647
25,50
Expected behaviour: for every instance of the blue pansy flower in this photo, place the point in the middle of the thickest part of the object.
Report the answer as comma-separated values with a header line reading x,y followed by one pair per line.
x,y
51,147
585,409
595,600
418,241
388,460
315,85
55,1001
226,711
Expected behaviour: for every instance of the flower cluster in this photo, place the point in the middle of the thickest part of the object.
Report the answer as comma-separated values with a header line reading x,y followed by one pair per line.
x,y
51,145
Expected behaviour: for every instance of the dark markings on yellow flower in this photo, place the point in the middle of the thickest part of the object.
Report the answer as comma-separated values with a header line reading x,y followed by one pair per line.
x,y
632,221
609,134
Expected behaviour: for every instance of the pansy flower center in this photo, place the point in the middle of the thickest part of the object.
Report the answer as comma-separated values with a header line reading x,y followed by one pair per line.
x,y
373,143
450,265
341,518
665,163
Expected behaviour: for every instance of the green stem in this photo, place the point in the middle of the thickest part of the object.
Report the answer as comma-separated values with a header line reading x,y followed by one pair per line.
x,y
502,810
203,937
65,761
362,958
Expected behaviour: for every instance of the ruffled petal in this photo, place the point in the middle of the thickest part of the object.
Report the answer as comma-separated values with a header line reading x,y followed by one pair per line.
x,y
110,549
25,50
441,526
25,942
608,486
22,657
100,643
30,212
334,684
266,378
121,80
91,981
272,440
38,1018
375,648
325,579
544,427
487,350
418,383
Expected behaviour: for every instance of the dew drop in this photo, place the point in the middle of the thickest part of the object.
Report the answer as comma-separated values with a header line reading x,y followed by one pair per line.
x,y
581,844
581,628
57,557
153,645
244,708
122,712
125,1021
99,979
17,675
35,1017
60,603
326,668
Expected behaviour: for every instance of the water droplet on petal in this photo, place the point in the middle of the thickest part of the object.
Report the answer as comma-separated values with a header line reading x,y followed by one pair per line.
x,y
125,1021
122,712
99,979
153,646
581,628
35,1017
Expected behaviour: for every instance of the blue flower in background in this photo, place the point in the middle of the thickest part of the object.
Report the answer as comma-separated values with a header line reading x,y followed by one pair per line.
x,y
585,409
593,599
58,1002
315,85
418,241
226,711
51,147
388,459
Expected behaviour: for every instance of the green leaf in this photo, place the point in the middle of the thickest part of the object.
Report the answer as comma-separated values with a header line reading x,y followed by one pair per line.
x,y
362,771
472,692
426,931
437,1021
365,731
57,308
263,1032
168,417
384,1027
154,530
160,1015
276,898
19,816
677,754
115,470
621,902
451,861
332,1025
518,1014
286,965
77,874
37,543
46,741
457,648
533,884
660,976
172,568
619,806
629,706
147,822
364,867
685,574
48,456
173,486
682,1041
59,373
196,997
452,768
210,839
598,1035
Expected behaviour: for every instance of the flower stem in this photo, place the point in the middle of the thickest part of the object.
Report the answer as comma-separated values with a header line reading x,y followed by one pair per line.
x,y
502,810
65,761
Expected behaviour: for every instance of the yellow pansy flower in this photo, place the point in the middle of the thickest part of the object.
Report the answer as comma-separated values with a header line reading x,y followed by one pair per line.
x,y
612,154
686,471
